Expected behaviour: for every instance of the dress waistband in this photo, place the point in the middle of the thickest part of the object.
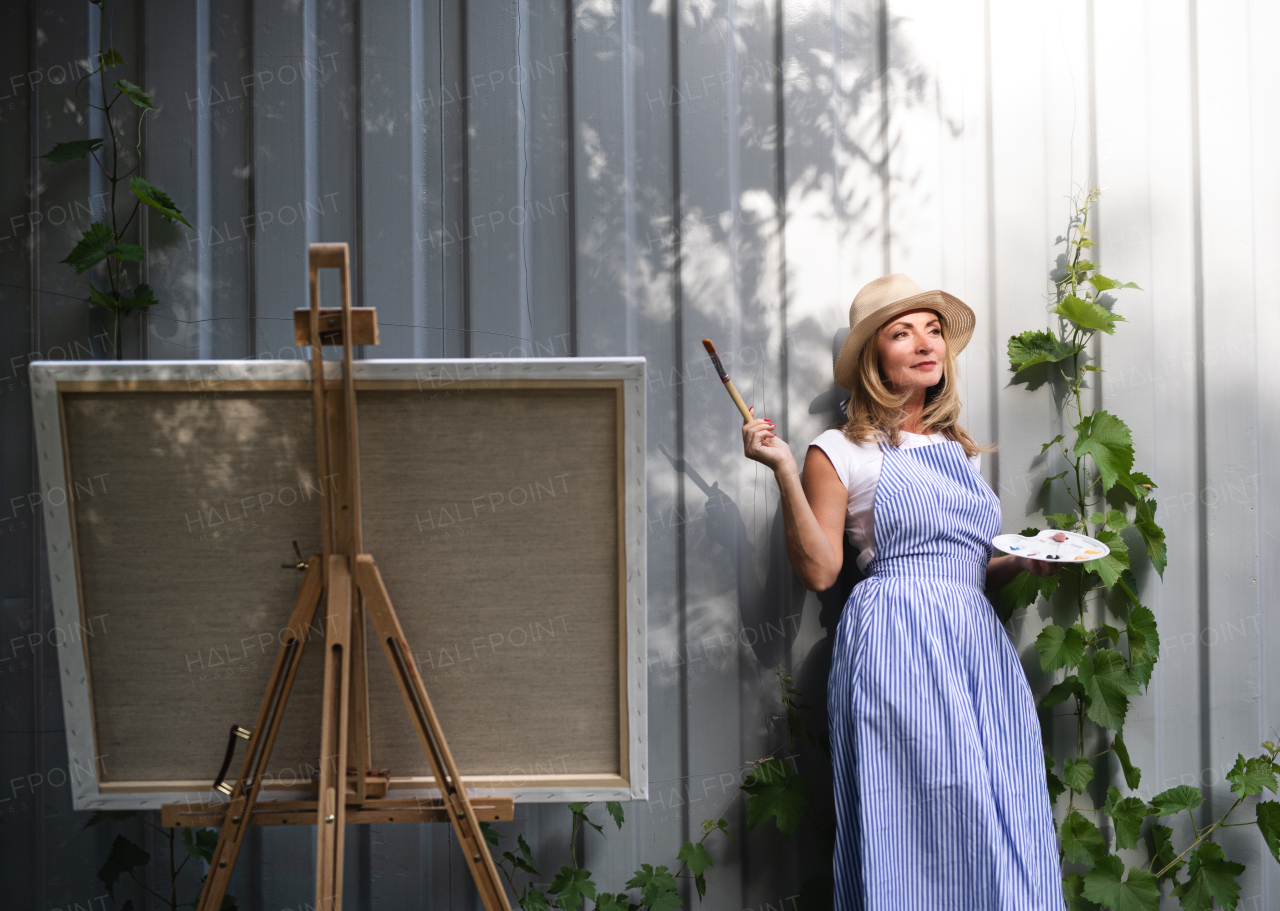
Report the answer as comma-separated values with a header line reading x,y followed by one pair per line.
x,y
930,566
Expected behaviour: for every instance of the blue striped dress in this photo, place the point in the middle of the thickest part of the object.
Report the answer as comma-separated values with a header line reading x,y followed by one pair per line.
x,y
939,770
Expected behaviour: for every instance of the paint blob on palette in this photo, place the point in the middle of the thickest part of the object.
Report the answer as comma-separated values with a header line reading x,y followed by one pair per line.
x,y
1075,549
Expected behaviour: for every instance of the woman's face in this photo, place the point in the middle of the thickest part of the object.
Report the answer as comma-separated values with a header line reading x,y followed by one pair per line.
x,y
911,350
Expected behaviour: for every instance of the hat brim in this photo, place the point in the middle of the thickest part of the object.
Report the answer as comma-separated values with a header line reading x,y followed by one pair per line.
x,y
957,317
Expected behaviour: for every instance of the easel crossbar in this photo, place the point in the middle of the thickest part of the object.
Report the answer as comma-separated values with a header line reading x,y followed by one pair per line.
x,y
303,812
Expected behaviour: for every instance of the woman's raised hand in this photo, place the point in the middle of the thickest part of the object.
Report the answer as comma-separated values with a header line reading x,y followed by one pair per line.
x,y
1039,567
760,443
1042,567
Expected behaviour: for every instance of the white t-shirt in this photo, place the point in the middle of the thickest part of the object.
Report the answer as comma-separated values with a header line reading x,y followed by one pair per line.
x,y
858,465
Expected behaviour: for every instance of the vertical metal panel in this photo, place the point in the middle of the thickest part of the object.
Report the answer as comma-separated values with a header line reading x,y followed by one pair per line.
x,y
1172,374
496,171
284,164
607,176
20,717
546,216
391,131
1264,70
179,157
1124,158
1231,425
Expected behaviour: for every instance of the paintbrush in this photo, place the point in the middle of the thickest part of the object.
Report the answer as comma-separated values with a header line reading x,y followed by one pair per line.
x,y
728,383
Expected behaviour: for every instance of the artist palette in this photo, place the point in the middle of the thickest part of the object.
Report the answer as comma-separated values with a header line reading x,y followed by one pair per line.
x,y
1076,549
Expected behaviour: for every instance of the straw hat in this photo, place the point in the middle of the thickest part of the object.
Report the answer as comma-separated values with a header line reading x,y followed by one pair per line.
x,y
886,297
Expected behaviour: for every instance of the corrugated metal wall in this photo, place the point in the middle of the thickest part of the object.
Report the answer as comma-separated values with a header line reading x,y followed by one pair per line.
x,y
604,177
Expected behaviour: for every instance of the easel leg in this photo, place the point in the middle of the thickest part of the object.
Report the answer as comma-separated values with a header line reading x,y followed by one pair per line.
x,y
454,795
358,754
236,822
331,817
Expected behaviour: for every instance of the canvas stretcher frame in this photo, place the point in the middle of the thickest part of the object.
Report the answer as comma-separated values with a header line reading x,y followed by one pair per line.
x,y
50,381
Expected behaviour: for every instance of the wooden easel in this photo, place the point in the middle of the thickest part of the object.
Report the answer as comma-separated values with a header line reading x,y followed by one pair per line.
x,y
349,581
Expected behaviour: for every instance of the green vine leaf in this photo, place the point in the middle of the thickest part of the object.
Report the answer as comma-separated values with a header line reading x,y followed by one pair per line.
x,y
1049,480
1138,892
100,816
1052,781
533,900
1059,648
1269,825
1081,840
1038,346
1106,439
135,94
1163,852
1023,590
1107,684
123,857
130,253
1077,773
1102,283
102,299
1113,519
74,150
1210,876
777,791
1142,484
696,856
1086,314
527,854
200,843
91,249
722,824
607,901
657,888
517,863
156,198
1045,447
1073,891
1132,774
1061,692
1066,521
1127,813
615,810
1152,534
142,297
1144,644
111,57
1114,563
523,861
1175,800
572,888
490,833
1249,777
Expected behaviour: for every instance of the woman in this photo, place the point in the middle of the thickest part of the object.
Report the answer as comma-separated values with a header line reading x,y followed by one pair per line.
x,y
939,770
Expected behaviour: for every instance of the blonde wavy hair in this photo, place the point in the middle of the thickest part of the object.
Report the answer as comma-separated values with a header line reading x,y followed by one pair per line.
x,y
874,412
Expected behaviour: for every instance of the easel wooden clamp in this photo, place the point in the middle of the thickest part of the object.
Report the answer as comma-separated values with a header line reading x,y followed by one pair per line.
x,y
349,581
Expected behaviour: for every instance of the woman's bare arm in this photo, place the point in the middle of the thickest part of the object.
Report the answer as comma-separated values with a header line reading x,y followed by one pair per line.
x,y
813,509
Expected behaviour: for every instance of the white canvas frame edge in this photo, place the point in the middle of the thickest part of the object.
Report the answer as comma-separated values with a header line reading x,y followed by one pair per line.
x,y
64,588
